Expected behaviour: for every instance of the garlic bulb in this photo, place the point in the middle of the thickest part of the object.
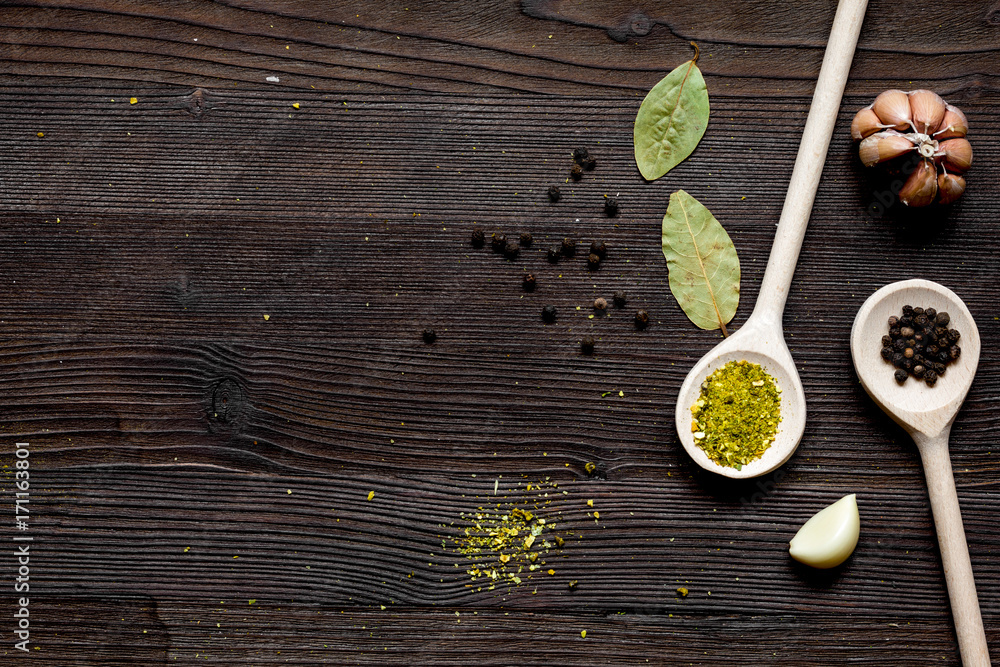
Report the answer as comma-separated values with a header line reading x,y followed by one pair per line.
x,y
924,136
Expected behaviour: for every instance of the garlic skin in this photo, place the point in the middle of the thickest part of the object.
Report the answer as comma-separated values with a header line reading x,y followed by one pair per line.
x,y
950,188
865,124
953,125
830,536
893,108
921,187
927,109
934,130
957,154
884,146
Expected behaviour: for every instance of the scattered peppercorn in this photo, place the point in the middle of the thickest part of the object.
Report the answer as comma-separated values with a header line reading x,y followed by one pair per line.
x,y
600,303
553,255
611,207
572,584
919,344
576,172
478,238
641,319
429,336
589,164
580,154
599,248
620,299
587,345
549,314
526,239
511,250
568,247
529,282
554,193
499,242
593,262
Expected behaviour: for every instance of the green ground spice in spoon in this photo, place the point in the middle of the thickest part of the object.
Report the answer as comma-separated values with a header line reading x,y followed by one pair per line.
x,y
737,415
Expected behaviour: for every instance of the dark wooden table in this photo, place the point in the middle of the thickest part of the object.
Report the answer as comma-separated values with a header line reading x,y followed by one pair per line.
x,y
213,304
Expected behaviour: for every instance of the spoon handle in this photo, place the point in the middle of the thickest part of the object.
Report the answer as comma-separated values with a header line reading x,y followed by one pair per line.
x,y
809,161
954,550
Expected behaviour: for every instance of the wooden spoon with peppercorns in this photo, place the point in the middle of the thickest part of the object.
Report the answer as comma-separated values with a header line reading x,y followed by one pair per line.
x,y
761,339
927,413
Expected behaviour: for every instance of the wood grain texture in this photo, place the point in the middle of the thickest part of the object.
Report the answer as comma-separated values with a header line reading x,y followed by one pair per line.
x,y
168,420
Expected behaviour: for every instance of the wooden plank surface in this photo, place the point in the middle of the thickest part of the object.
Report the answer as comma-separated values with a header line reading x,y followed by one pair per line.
x,y
189,455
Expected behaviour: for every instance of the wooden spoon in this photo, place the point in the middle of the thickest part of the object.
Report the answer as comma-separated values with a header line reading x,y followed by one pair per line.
x,y
761,340
927,414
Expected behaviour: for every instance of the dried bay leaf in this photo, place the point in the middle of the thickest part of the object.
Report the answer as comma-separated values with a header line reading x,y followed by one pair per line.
x,y
702,262
671,121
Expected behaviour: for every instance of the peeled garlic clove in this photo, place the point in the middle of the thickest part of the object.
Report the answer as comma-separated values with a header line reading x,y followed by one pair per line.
x,y
954,124
865,124
829,537
893,109
957,154
883,146
950,188
921,187
927,109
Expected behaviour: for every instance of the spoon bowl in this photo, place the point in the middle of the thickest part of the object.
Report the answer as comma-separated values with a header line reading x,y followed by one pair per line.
x,y
913,405
927,414
756,344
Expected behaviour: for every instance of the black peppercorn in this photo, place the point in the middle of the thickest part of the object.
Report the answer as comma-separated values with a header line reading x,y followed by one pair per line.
x,y
894,332
900,376
576,172
898,359
593,262
918,311
954,352
932,350
953,335
580,154
930,313
620,299
429,336
587,345
886,341
510,252
611,207
908,310
600,303
499,242
921,321
478,238
528,282
568,247
906,332
939,368
908,353
893,321
887,353
930,377
549,314
589,164
918,370
553,254
641,319
554,193
906,321
526,239
899,345
943,356
942,319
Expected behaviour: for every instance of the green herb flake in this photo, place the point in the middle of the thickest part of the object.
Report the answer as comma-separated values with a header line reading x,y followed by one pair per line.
x,y
736,417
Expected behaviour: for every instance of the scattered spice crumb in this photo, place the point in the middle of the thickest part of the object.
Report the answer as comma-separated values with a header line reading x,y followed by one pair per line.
x,y
683,592
253,600
590,503
583,633
590,467
573,583
267,317
40,135
371,494
133,100
295,105
552,571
